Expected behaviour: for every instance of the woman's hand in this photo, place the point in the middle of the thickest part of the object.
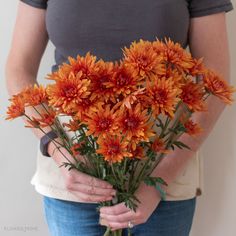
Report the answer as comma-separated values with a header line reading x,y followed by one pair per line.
x,y
83,186
118,216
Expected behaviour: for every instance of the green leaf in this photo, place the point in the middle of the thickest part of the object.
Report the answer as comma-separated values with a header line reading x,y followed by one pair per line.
x,y
160,123
130,204
162,192
173,130
161,181
156,181
181,127
152,181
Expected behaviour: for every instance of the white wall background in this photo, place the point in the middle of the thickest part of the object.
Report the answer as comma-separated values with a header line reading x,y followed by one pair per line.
x,y
21,211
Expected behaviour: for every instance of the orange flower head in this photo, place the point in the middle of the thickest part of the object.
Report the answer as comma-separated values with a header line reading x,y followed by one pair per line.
x,y
159,146
138,152
174,75
47,118
100,79
73,125
68,93
219,87
86,106
198,67
35,95
101,121
86,65
142,60
192,95
17,107
33,123
174,54
123,81
113,148
75,149
163,96
148,133
192,128
134,124
160,48
133,98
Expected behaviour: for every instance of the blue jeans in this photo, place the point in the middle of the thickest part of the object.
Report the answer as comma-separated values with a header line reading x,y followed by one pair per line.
x,y
66,218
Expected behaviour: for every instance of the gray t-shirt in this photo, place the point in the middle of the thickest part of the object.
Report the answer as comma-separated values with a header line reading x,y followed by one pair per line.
x,y
104,27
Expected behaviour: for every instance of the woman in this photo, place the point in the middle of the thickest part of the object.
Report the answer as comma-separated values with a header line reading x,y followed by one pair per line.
x,y
103,27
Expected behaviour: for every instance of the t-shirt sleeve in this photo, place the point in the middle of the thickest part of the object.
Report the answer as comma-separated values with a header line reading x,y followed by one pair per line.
x,y
207,7
36,3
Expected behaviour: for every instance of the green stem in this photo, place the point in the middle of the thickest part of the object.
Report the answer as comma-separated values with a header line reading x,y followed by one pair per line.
x,y
113,233
87,137
113,171
129,232
43,105
118,232
165,127
139,178
107,233
131,176
77,138
53,140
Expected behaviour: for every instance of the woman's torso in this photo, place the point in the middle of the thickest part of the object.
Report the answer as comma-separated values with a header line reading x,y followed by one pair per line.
x,y
104,27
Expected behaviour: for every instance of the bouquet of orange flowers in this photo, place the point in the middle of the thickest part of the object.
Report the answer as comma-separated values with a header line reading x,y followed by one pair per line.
x,y
125,116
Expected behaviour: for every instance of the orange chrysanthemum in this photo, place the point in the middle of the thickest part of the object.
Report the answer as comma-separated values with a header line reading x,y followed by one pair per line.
x,y
163,96
219,87
160,48
198,67
98,81
142,60
174,54
138,152
192,95
17,107
75,149
177,77
73,125
86,106
134,124
35,95
33,123
113,148
101,121
158,145
47,118
68,93
133,98
192,128
86,65
123,81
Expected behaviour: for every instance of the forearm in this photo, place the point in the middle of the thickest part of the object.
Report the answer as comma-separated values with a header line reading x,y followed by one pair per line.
x,y
215,52
173,163
18,77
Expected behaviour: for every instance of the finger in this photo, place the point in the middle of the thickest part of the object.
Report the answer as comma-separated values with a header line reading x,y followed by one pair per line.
x,y
92,190
91,198
122,218
115,210
115,225
90,180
